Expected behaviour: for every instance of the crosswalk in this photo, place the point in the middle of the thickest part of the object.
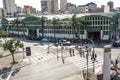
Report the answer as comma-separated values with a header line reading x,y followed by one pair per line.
x,y
81,62
42,57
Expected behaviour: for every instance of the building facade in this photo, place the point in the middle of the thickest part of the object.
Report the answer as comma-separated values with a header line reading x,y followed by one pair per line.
x,y
70,7
29,10
91,7
54,4
2,13
102,26
63,4
46,6
83,9
111,5
9,6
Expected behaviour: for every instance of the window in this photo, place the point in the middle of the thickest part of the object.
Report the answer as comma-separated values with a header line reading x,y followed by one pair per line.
x,y
81,32
105,32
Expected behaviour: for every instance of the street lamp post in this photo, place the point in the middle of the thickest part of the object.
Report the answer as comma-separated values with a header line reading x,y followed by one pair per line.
x,y
62,53
93,61
87,59
93,55
23,53
57,50
48,45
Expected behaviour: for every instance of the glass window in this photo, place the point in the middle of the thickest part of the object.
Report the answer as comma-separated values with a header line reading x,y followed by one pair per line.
x,y
81,32
106,27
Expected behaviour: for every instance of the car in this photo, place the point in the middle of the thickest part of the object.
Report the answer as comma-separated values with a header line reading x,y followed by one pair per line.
x,y
53,40
64,42
45,39
116,43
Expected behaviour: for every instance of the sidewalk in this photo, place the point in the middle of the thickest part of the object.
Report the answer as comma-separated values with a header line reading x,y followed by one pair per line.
x,y
6,65
74,77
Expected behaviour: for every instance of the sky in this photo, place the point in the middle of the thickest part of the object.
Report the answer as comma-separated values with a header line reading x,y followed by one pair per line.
x,y
36,3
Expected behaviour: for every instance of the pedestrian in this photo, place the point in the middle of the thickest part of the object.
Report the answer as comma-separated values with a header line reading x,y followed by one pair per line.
x,y
95,57
73,52
70,52
80,52
92,56
116,62
89,50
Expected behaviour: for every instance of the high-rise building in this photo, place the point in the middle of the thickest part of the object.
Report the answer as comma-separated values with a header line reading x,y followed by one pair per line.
x,y
29,10
54,4
2,13
49,6
9,6
91,6
46,6
63,4
70,7
111,5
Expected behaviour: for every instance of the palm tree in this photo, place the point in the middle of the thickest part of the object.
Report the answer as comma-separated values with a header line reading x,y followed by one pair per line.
x,y
82,25
23,28
12,45
17,22
43,20
55,22
73,24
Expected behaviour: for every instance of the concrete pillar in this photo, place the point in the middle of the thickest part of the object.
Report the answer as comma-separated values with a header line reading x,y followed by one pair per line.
x,y
107,60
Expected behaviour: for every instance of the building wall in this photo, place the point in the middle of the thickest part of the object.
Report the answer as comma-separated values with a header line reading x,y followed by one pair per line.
x,y
55,6
111,5
29,10
46,6
63,4
2,13
9,6
105,25
82,9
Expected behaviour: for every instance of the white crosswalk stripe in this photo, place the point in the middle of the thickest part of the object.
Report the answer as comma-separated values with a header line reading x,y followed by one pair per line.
x,y
81,62
42,57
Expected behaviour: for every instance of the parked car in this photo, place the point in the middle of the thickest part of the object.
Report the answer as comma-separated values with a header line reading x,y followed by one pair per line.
x,y
64,42
45,39
53,40
116,43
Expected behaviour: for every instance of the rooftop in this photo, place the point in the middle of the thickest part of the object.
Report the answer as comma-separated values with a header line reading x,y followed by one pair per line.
x,y
62,16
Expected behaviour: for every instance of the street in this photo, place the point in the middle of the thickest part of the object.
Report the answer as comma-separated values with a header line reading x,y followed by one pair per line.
x,y
45,66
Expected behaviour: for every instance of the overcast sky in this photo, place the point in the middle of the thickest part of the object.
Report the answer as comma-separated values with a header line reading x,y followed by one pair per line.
x,y
36,3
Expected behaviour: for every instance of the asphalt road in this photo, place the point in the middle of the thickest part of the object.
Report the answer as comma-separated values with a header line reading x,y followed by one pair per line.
x,y
53,69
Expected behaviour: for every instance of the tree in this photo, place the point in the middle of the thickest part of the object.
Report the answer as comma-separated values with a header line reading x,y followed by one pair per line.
x,y
55,22
3,34
43,20
30,22
4,23
74,24
17,22
12,45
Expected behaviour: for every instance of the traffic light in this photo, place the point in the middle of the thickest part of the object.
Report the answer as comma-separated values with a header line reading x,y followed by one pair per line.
x,y
28,51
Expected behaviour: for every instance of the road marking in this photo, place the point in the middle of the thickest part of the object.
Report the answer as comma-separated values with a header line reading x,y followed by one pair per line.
x,y
81,62
42,57
9,75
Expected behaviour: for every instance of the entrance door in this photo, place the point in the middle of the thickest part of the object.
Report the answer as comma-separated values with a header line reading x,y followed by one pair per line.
x,y
94,35
32,33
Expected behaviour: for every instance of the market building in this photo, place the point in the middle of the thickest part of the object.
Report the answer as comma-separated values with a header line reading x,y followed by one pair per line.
x,y
101,26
